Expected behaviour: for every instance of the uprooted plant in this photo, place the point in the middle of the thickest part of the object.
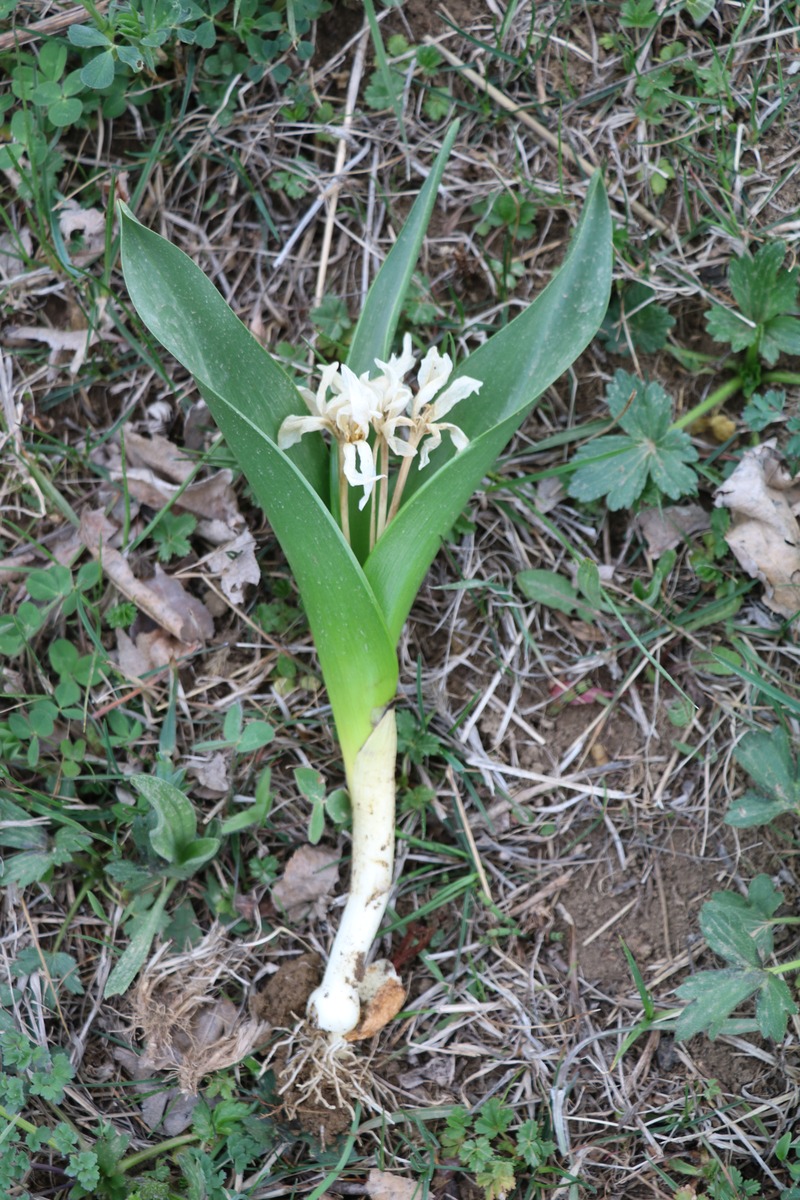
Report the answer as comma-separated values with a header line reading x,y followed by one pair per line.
x,y
360,487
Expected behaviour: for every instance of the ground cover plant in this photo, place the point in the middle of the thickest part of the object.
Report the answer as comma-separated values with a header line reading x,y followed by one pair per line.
x,y
596,772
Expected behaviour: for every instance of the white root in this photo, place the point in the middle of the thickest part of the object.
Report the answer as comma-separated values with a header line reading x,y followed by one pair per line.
x,y
335,1006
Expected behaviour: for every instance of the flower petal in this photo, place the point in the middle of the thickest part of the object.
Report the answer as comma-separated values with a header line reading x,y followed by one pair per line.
x,y
293,428
434,372
361,474
459,390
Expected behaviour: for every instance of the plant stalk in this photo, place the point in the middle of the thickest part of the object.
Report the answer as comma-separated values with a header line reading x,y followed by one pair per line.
x,y
335,1006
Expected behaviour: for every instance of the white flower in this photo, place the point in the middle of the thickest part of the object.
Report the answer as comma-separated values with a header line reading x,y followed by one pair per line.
x,y
426,413
323,411
351,408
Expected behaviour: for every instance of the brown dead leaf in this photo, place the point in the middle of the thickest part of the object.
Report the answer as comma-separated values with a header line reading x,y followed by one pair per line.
x,y
308,879
158,453
382,995
147,652
382,1185
74,341
162,597
90,223
212,777
764,534
234,564
665,528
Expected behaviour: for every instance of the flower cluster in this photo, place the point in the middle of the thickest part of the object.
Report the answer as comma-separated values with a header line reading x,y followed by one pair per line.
x,y
353,408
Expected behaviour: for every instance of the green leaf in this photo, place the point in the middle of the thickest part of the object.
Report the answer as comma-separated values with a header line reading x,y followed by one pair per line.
x,y
738,929
87,35
176,823
232,725
134,956
65,112
50,583
316,823
255,735
310,784
762,411
761,286
714,996
515,365
699,10
646,322
751,810
377,324
494,1118
727,326
249,396
256,815
774,1006
767,758
784,332
99,71
195,856
549,588
619,468
17,830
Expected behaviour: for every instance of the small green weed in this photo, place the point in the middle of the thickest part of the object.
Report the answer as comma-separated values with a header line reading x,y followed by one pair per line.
x,y
649,460
485,1144
634,318
740,931
335,805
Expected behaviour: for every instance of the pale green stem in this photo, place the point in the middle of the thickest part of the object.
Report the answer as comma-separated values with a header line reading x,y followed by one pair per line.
x,y
402,476
335,1006
384,488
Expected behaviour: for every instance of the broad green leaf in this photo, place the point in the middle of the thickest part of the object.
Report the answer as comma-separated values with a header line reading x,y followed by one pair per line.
x,y
515,365
50,583
618,468
249,396
232,725
751,809
779,336
376,326
176,824
714,996
768,760
785,332
316,823
550,589
99,71
761,286
646,323
765,898
774,1006
738,929
87,35
310,783
615,467
195,856
727,326
181,307
255,735
135,954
